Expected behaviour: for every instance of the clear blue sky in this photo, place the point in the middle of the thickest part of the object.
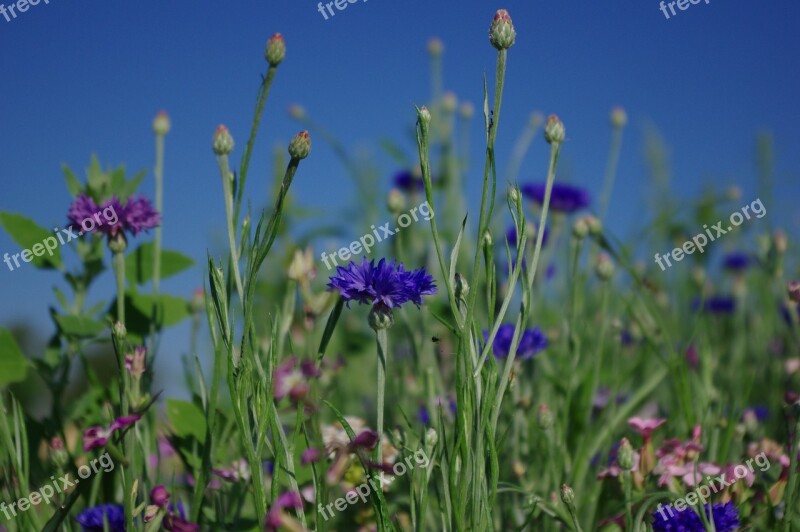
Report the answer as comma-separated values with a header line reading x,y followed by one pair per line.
x,y
88,77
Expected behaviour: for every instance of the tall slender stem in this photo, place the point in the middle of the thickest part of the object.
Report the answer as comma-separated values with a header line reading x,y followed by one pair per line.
x,y
382,341
225,172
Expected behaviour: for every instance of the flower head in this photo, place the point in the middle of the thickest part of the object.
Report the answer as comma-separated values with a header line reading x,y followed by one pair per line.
x,y
669,519
716,304
277,518
223,141
292,379
161,123
95,437
133,216
275,50
618,117
645,427
135,363
409,181
93,519
794,291
300,145
385,285
737,262
159,496
501,32
563,198
532,341
554,131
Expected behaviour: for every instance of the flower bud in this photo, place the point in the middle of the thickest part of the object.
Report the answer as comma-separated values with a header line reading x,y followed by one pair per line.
x,y
595,225
435,47
424,115
794,291
618,117
501,32
151,512
462,287
396,202
297,112
120,331
159,496
300,146
449,102
567,495
604,268
380,318
625,455
487,238
198,301
513,195
554,131
431,438
118,243
161,123
580,229
780,242
733,193
466,110
275,50
545,417
301,269
223,141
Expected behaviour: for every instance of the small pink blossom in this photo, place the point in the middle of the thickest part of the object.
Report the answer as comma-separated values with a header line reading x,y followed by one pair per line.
x,y
645,427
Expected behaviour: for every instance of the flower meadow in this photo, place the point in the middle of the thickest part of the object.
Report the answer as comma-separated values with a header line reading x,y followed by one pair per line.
x,y
507,364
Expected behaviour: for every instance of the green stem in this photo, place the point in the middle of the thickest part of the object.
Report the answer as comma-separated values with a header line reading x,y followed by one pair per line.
x,y
611,171
159,199
382,341
793,483
225,172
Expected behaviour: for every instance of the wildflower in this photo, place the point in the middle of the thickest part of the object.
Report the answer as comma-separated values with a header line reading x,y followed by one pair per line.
x,y
396,201
302,269
96,437
668,518
645,427
161,123
275,50
239,471
300,146
435,47
604,267
619,460
134,216
159,496
135,363
563,198
409,181
310,455
794,291
293,380
466,110
737,262
532,341
716,304
386,285
554,131
277,518
618,117
501,32
94,519
223,141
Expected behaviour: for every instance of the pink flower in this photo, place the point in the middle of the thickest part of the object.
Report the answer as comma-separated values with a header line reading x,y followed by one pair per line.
x,y
293,380
645,427
277,518
135,363
95,437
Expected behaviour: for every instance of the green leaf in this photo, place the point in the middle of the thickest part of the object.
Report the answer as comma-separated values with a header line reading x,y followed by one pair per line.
x,y
139,264
130,186
139,310
73,183
26,233
187,419
13,364
79,326
97,182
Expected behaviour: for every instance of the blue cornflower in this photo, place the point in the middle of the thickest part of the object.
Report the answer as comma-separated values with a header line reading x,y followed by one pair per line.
x,y
387,285
92,519
563,198
716,304
737,262
409,182
668,519
532,341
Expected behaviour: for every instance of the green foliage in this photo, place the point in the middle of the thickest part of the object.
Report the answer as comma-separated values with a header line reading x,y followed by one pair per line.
x,y
139,263
13,364
25,232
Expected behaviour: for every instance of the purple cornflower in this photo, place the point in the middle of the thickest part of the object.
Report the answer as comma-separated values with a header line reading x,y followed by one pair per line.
x,y
134,216
277,518
563,198
669,519
387,285
92,519
716,304
532,341
737,262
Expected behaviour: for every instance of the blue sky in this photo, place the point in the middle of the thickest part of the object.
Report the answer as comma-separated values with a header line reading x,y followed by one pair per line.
x,y
88,77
